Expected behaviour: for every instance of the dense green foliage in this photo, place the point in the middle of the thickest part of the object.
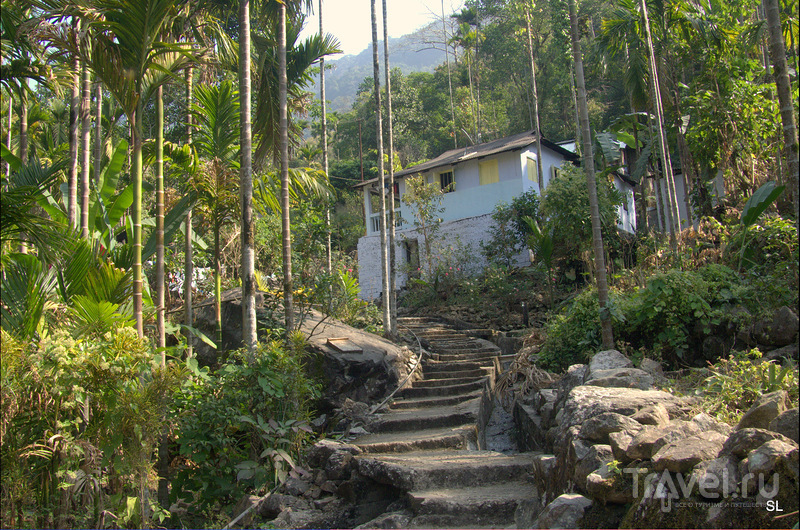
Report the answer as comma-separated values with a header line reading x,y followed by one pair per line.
x,y
240,427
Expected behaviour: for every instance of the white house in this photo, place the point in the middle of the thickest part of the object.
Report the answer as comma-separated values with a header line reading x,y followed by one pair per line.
x,y
478,178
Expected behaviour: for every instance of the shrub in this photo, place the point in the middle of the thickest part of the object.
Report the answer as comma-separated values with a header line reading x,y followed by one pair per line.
x,y
738,381
240,427
81,416
573,334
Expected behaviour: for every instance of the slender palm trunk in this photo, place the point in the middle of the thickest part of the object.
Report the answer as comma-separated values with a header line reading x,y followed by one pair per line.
x,y
477,83
328,250
777,51
218,276
382,179
188,249
392,250
98,131
74,114
246,185
449,78
23,129
8,139
288,301
588,165
535,103
86,149
160,291
136,174
673,213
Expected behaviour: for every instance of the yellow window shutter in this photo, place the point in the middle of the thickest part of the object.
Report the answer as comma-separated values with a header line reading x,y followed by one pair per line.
x,y
532,170
489,173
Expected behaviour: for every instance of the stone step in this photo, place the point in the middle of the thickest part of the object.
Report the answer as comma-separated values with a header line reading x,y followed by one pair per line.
x,y
468,357
457,374
437,368
446,381
486,506
464,437
425,470
418,403
428,417
450,390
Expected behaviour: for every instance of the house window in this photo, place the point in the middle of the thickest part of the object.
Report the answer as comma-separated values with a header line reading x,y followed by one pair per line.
x,y
488,171
554,171
533,170
446,181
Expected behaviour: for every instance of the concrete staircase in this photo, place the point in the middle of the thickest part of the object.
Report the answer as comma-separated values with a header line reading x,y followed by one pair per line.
x,y
428,442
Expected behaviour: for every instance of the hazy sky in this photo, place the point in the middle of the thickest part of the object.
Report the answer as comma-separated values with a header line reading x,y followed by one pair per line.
x,y
349,20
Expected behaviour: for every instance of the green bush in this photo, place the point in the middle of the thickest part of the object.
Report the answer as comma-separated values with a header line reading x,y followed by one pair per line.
x,y
240,428
572,334
739,380
80,420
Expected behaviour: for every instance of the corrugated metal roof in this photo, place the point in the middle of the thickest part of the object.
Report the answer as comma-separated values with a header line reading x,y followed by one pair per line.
x,y
456,156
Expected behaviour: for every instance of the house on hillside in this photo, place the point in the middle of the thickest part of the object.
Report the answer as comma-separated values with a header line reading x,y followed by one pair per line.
x,y
476,179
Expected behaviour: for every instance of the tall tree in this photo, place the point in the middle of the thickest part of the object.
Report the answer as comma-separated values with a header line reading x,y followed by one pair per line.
x,y
392,332
286,227
540,175
324,103
381,176
247,272
777,51
86,147
673,213
591,183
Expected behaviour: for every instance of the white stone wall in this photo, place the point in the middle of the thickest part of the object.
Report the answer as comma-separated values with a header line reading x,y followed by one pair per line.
x,y
470,231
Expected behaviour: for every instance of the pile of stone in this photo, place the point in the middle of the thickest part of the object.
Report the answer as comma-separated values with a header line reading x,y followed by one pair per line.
x,y
624,454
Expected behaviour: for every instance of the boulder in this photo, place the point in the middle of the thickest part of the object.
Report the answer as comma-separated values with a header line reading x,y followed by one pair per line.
x,y
619,443
787,423
653,415
652,438
563,512
782,354
652,367
321,451
338,465
769,457
274,504
389,520
621,378
764,410
598,428
682,455
780,330
597,456
717,478
609,486
608,360
296,486
742,441
706,423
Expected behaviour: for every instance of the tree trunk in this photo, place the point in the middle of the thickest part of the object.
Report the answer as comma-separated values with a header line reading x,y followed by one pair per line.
x,y
247,273
160,294
136,175
74,114
588,166
98,131
188,249
449,78
288,302
777,51
86,149
535,104
673,213
392,333
381,178
8,140
328,250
